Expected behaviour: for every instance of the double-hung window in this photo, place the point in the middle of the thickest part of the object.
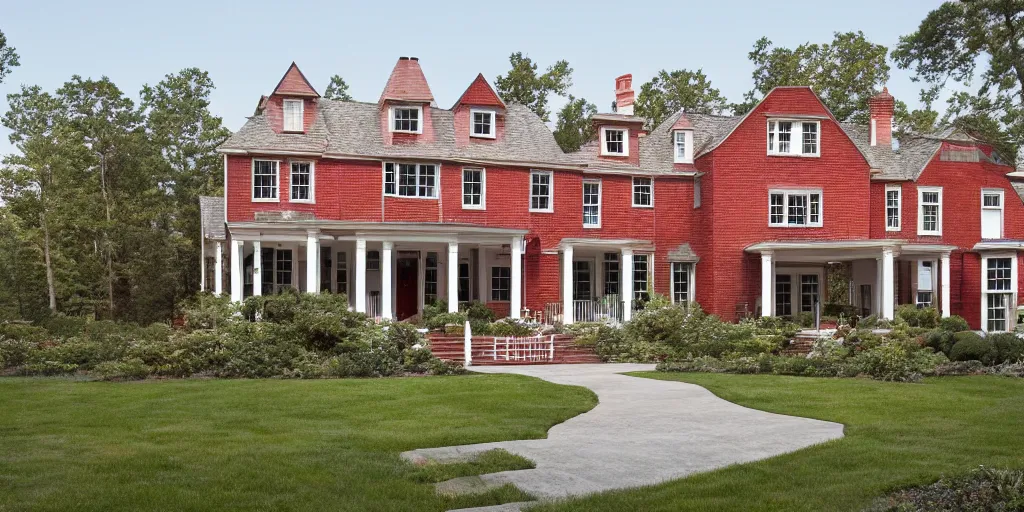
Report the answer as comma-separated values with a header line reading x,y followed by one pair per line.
x,y
643,192
410,180
641,277
999,291
541,191
611,273
482,122
302,182
893,205
991,214
406,119
929,213
614,141
501,283
293,115
342,273
591,203
682,146
264,180
682,279
925,278
794,208
796,138
430,279
473,189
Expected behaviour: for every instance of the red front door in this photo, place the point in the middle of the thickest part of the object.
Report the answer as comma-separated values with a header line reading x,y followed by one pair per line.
x,y
406,288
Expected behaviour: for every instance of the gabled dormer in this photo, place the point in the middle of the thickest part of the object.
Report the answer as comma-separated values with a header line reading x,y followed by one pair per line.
x,y
619,133
291,108
682,140
479,114
405,104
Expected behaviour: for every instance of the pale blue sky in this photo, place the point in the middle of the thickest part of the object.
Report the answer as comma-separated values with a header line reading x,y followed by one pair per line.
x,y
247,46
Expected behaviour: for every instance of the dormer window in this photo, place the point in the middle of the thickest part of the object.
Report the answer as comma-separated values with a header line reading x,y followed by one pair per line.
x,y
614,142
682,146
482,123
406,119
293,115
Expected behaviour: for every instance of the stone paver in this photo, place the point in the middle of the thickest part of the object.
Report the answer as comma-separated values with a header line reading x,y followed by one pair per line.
x,y
643,432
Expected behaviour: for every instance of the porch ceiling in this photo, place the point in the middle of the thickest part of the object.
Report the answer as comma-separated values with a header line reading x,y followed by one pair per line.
x,y
821,251
373,231
602,244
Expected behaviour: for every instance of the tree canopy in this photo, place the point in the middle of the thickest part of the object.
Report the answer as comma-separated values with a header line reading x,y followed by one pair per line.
x,y
8,58
337,89
670,92
574,127
524,86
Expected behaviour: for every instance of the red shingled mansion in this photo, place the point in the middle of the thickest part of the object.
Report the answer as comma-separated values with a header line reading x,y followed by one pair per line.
x,y
401,202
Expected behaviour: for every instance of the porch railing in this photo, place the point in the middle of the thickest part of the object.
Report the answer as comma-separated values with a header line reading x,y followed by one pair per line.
x,y
533,349
373,304
606,309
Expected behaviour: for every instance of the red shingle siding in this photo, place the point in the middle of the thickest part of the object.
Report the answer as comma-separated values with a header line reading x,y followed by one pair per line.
x,y
294,83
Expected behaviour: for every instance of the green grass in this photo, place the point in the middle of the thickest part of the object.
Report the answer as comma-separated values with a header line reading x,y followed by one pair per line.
x,y
491,461
897,435
257,444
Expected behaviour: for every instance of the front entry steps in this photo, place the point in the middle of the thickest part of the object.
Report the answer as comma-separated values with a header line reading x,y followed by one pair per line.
x,y
803,342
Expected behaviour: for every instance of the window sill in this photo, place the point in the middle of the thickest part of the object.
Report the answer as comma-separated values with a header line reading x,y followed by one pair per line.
x,y
617,155
795,226
408,132
929,233
481,136
298,132
302,201
411,197
796,155
263,200
682,161
893,230
643,206
478,208
591,226
541,211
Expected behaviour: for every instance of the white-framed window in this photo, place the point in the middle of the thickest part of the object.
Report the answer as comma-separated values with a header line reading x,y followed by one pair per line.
x,y
265,180
341,280
893,207
611,273
474,189
794,138
643,192
410,180
998,292
615,141
501,284
591,203
925,279
293,111
641,277
794,208
430,278
682,282
406,119
808,292
541,191
372,260
482,123
696,191
301,182
682,146
929,211
991,213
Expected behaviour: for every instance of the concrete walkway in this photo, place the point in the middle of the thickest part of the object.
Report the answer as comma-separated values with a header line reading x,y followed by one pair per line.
x,y
642,432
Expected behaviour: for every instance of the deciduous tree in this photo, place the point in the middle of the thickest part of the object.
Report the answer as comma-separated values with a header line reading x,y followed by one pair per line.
x,y
524,86
337,89
672,91
574,127
8,58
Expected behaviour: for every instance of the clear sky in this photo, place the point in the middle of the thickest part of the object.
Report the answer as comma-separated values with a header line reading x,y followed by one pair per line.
x,y
247,46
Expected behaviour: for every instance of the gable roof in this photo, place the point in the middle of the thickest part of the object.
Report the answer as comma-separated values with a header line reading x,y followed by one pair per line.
x,y
905,164
407,83
479,93
294,83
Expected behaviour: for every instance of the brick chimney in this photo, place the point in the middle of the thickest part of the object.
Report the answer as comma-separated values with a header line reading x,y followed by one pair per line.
x,y
881,106
624,95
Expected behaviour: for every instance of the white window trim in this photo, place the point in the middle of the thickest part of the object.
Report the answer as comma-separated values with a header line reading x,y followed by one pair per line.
x,y
302,115
692,274
600,202
1001,208
798,135
687,157
483,189
312,182
252,182
384,177
551,192
1012,292
494,123
625,141
632,192
391,118
899,207
785,207
649,257
920,212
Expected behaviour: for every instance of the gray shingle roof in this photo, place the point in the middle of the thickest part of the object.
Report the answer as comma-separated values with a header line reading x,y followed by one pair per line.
x,y
211,211
708,132
907,163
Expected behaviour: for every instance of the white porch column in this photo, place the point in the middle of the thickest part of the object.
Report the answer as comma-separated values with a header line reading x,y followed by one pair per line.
x,y
767,277
453,277
876,305
257,269
236,270
567,295
888,294
218,276
385,280
361,275
626,284
516,290
312,262
945,285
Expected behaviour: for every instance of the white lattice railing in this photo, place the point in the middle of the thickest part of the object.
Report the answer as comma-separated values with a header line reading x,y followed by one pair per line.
x,y
607,309
533,349
373,304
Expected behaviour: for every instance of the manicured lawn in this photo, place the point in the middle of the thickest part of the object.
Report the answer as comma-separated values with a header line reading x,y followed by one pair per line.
x,y
257,444
896,435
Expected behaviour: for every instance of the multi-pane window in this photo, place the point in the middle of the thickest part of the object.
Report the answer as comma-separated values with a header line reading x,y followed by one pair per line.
x,y
783,295
794,208
997,305
682,153
591,203
808,292
372,260
325,269
681,282
581,280
405,119
430,279
893,200
998,293
342,273
611,273
302,181
614,142
925,278
643,192
284,269
268,278
991,214
293,115
540,191
930,211
781,138
464,282
999,274
264,180
641,277
483,123
501,283
473,189
413,180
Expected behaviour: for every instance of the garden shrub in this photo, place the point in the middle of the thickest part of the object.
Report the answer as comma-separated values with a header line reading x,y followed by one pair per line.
x,y
128,369
47,368
208,311
918,317
438,321
984,489
15,351
507,327
684,331
805,319
615,345
940,340
479,312
953,323
970,346
1009,347
868,322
